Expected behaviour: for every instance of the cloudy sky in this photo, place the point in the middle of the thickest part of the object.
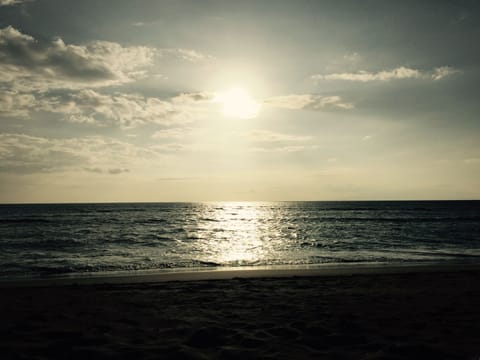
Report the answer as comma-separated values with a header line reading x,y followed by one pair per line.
x,y
239,100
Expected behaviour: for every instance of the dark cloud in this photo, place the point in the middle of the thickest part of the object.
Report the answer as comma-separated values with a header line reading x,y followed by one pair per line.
x,y
117,171
12,2
27,63
193,97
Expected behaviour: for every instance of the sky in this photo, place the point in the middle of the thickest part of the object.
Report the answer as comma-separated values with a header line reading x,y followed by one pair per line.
x,y
118,101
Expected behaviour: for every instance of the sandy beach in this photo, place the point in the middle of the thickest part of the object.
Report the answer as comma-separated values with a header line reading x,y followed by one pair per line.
x,y
409,314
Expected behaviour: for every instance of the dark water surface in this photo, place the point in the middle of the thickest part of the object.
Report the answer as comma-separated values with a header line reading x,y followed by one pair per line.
x,y
45,239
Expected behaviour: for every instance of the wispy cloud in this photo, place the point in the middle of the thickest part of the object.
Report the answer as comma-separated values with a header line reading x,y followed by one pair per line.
x,y
193,97
387,75
173,133
270,141
283,148
307,101
111,171
443,71
352,58
172,148
182,178
22,153
185,54
95,170
271,136
116,171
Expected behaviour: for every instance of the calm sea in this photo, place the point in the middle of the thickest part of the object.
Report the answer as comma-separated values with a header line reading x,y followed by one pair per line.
x,y
39,240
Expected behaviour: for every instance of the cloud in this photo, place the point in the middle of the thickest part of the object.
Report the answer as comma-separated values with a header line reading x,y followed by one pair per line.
x,y
185,54
14,104
20,153
93,108
269,141
114,171
307,101
172,148
193,97
130,110
31,71
23,153
117,171
12,2
183,178
29,64
90,107
472,161
443,71
125,110
174,133
352,58
284,149
270,136
364,76
93,170
387,75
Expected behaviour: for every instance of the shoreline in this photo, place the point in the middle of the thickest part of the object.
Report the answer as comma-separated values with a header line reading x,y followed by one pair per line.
x,y
250,272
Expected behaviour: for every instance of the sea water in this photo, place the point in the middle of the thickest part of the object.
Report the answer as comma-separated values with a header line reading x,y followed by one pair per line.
x,y
52,239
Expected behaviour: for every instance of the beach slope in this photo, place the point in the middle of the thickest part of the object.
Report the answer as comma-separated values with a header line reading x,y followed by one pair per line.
x,y
405,315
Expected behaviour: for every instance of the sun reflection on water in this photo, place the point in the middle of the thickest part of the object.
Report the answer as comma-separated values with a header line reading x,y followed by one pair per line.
x,y
234,234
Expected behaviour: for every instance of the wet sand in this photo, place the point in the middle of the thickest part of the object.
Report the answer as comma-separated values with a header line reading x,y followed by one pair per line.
x,y
409,314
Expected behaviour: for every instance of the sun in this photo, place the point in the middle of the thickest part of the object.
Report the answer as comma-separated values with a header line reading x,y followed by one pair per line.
x,y
238,103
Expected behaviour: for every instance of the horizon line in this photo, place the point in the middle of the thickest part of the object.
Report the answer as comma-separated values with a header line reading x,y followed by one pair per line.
x,y
228,201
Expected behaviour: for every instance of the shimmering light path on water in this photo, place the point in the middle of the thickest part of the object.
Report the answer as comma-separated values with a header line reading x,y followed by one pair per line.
x,y
75,238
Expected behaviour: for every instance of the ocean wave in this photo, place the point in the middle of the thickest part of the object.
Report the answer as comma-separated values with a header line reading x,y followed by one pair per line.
x,y
10,269
25,220
63,239
340,219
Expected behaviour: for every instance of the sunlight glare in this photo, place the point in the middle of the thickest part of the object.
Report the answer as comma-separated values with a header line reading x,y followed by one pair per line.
x,y
238,103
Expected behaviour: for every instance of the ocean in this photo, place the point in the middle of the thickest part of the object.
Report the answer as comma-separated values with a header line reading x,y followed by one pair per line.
x,y
41,240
